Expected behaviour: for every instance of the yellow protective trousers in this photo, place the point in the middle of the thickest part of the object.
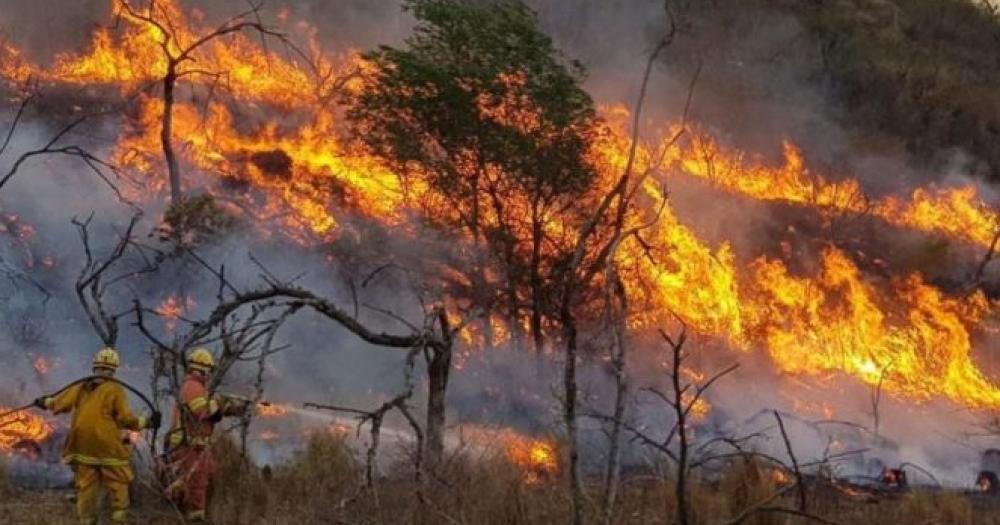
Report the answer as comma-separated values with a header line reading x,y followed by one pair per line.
x,y
91,481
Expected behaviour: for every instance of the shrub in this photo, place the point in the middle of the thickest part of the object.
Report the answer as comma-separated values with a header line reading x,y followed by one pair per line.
x,y
195,220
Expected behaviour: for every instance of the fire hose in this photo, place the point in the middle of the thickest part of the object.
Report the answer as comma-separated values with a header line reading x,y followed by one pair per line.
x,y
130,388
180,479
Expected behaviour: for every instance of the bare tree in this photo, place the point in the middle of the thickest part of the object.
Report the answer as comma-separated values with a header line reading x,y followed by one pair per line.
x,y
434,339
591,255
682,398
616,308
55,146
178,53
124,262
94,280
374,419
876,397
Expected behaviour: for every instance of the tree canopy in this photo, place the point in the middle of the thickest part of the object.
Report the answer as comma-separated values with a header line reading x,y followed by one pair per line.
x,y
480,107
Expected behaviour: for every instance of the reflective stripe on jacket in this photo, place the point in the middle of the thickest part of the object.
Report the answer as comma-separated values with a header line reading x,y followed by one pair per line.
x,y
195,423
100,413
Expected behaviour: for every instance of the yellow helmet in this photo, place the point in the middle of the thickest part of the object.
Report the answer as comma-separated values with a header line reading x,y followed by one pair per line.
x,y
201,359
107,357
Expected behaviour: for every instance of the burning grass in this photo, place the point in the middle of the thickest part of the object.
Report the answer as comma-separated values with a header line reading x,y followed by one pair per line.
x,y
292,163
290,160
21,427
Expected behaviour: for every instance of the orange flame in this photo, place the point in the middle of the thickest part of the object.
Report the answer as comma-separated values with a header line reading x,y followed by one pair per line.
x,y
271,410
780,477
22,426
537,459
296,168
173,308
953,212
170,310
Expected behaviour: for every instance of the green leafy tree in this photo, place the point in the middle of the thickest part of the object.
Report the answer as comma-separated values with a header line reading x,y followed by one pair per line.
x,y
481,108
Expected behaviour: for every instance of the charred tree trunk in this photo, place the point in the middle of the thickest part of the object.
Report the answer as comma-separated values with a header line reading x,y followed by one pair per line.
x,y
513,309
489,338
167,132
438,371
480,273
536,281
681,412
569,410
617,315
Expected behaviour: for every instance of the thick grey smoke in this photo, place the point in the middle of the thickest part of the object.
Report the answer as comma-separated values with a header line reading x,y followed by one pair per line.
x,y
756,89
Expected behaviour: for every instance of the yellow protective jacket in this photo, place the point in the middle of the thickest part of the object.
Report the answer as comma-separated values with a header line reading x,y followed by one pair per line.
x,y
100,413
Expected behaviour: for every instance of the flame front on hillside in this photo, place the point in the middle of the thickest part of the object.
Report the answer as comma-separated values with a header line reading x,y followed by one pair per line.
x,y
291,163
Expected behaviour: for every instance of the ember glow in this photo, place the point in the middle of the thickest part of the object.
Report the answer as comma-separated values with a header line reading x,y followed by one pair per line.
x,y
173,309
270,137
268,436
271,410
41,365
780,477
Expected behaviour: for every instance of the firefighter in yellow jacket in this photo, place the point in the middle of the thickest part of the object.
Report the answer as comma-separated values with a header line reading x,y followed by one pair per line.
x,y
94,447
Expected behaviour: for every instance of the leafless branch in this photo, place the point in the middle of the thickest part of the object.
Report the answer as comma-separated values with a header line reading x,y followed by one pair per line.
x,y
17,119
977,277
795,463
374,419
93,162
91,286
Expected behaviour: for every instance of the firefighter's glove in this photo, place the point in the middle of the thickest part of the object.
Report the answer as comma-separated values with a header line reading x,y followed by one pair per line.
x,y
155,419
41,403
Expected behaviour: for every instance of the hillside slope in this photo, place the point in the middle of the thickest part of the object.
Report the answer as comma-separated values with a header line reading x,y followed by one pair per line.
x,y
913,76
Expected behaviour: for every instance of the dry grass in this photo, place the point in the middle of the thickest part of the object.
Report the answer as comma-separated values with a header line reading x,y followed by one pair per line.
x,y
319,486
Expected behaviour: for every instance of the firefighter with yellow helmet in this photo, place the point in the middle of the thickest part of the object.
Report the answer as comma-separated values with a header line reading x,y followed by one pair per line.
x,y
94,446
190,465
